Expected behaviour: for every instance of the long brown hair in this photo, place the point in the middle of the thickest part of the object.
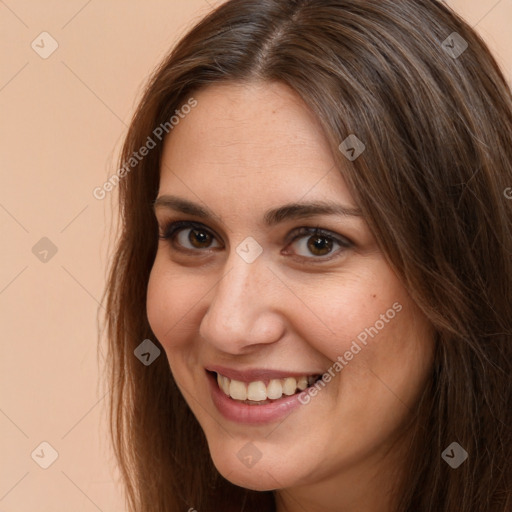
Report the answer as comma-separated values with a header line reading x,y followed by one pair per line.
x,y
436,119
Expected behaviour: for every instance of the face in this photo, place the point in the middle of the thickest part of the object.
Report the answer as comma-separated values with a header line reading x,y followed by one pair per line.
x,y
261,298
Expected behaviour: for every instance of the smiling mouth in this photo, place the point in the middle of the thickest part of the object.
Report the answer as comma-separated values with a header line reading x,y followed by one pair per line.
x,y
260,392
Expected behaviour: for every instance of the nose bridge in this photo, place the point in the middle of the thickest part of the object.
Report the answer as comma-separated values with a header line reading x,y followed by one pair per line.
x,y
240,312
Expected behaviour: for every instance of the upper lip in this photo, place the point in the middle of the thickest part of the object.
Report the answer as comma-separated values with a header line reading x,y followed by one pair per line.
x,y
255,374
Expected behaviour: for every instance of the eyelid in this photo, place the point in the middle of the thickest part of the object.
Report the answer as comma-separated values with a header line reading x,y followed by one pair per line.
x,y
303,231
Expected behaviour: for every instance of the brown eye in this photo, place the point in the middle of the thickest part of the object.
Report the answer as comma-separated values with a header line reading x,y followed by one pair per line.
x,y
188,235
199,238
316,244
319,245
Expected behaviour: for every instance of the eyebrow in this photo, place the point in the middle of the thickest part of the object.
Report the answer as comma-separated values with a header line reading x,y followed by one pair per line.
x,y
271,217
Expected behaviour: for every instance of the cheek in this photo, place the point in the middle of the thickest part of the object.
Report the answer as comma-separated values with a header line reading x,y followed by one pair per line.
x,y
373,332
352,309
386,356
170,298
156,301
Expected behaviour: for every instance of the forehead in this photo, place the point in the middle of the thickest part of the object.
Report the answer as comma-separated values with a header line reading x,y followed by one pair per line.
x,y
242,142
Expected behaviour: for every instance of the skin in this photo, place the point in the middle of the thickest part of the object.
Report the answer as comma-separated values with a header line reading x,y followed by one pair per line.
x,y
242,150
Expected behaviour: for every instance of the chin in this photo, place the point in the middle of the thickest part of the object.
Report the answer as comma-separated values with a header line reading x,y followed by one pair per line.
x,y
261,476
255,480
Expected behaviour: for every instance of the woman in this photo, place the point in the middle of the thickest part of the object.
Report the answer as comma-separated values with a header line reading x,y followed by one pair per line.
x,y
309,307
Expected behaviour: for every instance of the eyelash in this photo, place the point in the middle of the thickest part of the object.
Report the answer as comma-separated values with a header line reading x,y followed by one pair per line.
x,y
171,229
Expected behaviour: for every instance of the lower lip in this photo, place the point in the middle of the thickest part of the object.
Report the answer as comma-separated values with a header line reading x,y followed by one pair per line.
x,y
253,414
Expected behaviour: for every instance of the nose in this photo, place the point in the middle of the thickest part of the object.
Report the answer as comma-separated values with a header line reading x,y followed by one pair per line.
x,y
245,308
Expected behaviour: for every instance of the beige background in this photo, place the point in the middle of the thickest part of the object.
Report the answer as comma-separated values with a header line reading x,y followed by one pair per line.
x,y
62,121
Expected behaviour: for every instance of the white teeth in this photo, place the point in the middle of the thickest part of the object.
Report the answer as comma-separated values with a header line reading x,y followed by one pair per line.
x,y
224,383
289,386
274,389
258,392
302,383
237,390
